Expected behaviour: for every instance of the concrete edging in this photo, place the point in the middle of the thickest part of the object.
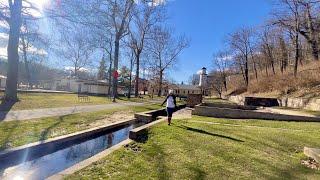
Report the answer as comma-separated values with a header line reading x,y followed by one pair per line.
x,y
135,133
89,161
248,114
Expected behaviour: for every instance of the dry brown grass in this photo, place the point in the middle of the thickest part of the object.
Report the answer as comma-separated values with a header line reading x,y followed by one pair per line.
x,y
306,83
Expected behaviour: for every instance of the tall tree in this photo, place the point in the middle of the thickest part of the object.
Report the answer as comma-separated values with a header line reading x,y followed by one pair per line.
x,y
288,15
165,50
308,28
75,49
222,62
120,13
145,16
12,15
240,42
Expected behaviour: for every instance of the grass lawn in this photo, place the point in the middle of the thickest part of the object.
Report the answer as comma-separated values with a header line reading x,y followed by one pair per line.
x,y
224,149
217,101
17,133
51,100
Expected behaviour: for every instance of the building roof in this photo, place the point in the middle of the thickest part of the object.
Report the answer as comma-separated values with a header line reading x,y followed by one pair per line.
x,y
187,87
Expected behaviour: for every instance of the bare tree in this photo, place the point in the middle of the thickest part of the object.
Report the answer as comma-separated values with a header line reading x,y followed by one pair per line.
x,y
222,62
75,48
288,15
194,79
217,83
308,28
165,50
119,13
240,42
145,16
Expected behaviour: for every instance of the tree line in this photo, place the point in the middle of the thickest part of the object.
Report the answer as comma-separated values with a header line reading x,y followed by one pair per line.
x,y
134,33
286,42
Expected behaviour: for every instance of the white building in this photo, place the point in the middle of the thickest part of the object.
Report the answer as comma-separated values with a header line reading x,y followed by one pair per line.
x,y
3,80
97,87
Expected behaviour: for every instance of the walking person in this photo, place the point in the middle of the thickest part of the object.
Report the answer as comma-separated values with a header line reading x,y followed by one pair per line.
x,y
171,105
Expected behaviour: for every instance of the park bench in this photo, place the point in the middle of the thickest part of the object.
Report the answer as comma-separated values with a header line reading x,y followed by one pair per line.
x,y
83,98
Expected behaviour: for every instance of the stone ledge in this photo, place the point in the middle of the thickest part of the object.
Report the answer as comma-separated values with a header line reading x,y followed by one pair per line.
x,y
248,114
137,132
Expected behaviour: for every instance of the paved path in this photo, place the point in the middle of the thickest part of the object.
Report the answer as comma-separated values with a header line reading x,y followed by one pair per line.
x,y
49,112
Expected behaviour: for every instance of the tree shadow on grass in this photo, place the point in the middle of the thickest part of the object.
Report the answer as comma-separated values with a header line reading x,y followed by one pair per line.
x,y
208,133
5,107
46,132
5,144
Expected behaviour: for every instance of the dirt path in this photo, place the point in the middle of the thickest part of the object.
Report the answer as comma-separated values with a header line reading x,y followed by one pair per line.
x,y
286,112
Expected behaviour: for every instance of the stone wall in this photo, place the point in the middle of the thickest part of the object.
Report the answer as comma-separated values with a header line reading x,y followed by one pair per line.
x,y
194,99
237,99
247,114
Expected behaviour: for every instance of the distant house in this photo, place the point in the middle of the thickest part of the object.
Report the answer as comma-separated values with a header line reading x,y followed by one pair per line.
x,y
143,85
97,87
3,80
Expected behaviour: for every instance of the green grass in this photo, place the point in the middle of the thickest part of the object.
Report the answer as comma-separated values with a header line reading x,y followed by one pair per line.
x,y
254,149
17,133
217,101
51,100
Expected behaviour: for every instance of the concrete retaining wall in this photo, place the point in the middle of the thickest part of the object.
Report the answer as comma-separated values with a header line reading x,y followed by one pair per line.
x,y
312,104
247,114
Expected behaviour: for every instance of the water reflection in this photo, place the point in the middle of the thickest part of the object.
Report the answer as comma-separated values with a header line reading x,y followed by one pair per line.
x,y
50,164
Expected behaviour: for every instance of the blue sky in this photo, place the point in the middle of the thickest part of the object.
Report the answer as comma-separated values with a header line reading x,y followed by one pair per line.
x,y
207,23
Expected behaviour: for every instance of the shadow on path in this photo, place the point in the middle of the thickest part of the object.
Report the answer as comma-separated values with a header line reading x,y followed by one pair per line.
x,y
208,133
5,107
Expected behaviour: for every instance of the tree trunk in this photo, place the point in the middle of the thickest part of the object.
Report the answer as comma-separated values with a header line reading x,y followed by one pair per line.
x,y
315,50
296,54
110,75
136,90
130,77
25,59
115,67
225,83
246,71
12,50
160,83
284,55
